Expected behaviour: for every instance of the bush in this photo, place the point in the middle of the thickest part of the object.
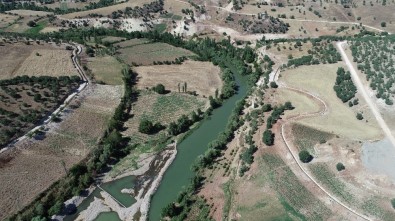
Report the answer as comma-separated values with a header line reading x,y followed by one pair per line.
x,y
268,137
305,156
393,203
31,24
359,116
273,84
340,167
159,88
147,127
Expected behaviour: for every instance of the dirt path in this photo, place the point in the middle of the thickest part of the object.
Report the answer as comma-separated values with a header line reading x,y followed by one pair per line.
x,y
77,50
293,151
362,89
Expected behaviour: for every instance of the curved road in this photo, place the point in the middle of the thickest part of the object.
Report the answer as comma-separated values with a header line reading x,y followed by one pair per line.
x,y
294,155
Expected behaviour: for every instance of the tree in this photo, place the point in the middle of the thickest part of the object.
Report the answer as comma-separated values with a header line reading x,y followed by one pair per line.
x,y
55,209
146,126
359,116
268,137
31,24
159,88
185,87
340,167
393,203
383,24
273,84
305,156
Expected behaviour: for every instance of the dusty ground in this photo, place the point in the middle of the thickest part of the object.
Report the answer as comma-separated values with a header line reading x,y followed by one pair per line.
x,y
32,166
30,13
106,69
202,77
6,20
21,59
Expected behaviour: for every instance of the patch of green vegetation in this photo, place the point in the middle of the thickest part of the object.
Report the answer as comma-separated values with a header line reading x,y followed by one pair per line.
x,y
306,137
295,197
227,188
177,17
167,15
373,207
160,27
290,210
337,187
40,26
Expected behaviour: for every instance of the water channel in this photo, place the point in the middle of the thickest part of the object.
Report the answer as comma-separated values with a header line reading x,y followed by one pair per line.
x,y
179,173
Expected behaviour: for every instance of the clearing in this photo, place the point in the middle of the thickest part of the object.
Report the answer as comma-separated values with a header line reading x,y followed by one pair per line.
x,y
202,77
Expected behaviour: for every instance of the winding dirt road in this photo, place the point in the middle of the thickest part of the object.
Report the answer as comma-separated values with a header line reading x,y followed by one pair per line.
x,y
293,150
362,89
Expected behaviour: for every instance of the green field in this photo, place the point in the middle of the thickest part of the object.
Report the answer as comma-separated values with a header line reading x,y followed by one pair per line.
x,y
147,54
106,69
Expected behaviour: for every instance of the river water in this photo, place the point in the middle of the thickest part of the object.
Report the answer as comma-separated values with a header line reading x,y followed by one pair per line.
x,y
179,173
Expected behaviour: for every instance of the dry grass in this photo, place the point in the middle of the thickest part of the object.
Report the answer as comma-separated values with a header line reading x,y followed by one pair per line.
x,y
319,80
202,77
132,42
19,59
146,54
106,69
30,13
107,10
288,48
33,165
6,20
70,4
48,62
112,39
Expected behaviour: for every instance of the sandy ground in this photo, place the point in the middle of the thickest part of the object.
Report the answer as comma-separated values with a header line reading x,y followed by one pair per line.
x,y
202,77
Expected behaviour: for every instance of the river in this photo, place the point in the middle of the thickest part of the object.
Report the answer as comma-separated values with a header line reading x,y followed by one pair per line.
x,y
179,173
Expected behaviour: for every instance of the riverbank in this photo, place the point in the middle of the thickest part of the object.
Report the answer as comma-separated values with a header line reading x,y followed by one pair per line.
x,y
148,177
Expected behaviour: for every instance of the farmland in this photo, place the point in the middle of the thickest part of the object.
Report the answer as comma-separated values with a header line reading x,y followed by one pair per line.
x,y
33,165
34,59
147,54
105,69
202,77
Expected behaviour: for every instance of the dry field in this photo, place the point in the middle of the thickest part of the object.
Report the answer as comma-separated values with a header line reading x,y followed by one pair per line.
x,y
341,120
107,10
132,42
30,13
202,77
287,49
162,109
70,4
146,54
21,59
6,20
106,69
112,39
33,165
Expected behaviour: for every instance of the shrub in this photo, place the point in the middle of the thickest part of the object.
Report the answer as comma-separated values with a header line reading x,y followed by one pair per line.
x,y
305,156
268,137
273,84
31,24
147,127
359,116
340,167
393,203
159,88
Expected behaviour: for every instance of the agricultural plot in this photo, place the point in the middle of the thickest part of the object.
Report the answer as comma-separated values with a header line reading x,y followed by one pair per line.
x,y
25,101
34,59
305,138
162,109
6,20
147,54
29,13
202,77
131,42
340,118
33,165
105,69
375,58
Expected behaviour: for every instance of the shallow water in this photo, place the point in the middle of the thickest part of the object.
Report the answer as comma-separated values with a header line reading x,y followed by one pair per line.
x,y
108,216
379,157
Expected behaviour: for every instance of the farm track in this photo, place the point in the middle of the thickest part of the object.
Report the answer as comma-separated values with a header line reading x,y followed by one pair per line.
x,y
292,150
373,107
77,50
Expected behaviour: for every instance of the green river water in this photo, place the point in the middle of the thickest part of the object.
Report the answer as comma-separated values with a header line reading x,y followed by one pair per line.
x,y
179,173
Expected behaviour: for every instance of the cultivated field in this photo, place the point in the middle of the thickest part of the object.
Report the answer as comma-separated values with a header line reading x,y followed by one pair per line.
x,y
202,77
21,59
106,69
132,42
341,118
107,10
33,165
147,54
6,20
162,109
30,13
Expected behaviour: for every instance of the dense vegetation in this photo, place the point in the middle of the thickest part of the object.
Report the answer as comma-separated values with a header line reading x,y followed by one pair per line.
x,y
344,86
25,101
305,156
322,52
375,58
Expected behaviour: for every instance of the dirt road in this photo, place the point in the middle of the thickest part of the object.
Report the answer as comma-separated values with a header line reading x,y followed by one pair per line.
x,y
372,105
